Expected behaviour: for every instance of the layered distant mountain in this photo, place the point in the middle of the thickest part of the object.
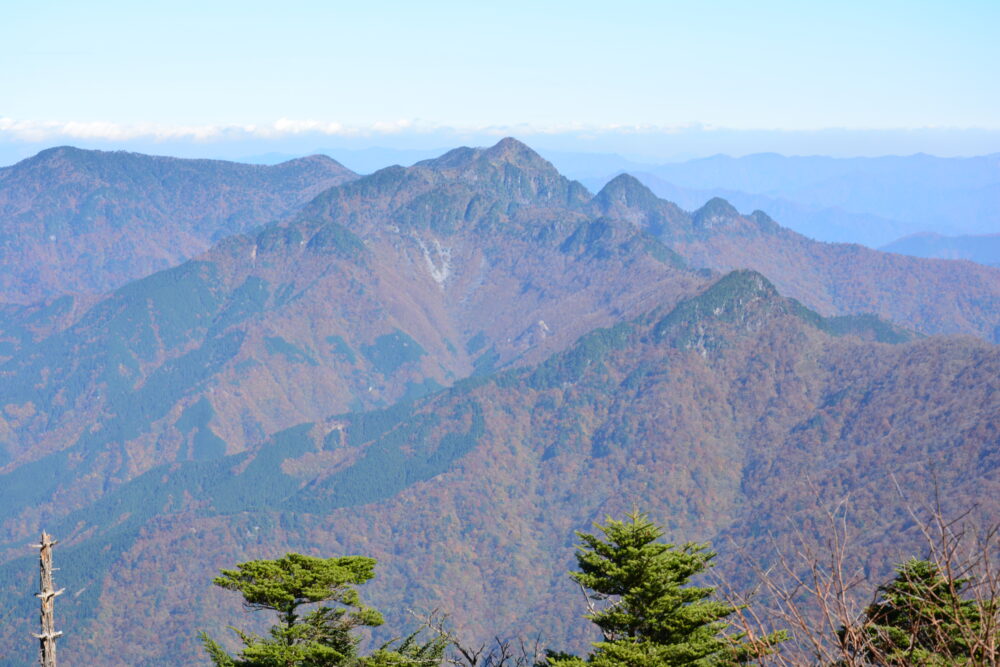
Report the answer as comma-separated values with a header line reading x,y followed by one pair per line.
x,y
861,200
451,367
931,296
983,249
85,221
823,223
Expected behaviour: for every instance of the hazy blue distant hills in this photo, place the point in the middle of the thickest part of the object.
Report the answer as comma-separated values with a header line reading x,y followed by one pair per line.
x,y
829,224
85,221
858,200
984,249
931,296
770,172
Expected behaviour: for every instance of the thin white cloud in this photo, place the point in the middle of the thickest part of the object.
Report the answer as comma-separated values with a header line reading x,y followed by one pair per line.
x,y
12,129
34,130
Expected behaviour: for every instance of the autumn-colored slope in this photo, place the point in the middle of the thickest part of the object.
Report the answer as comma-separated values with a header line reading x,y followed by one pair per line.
x,y
385,288
932,296
715,415
79,221
223,409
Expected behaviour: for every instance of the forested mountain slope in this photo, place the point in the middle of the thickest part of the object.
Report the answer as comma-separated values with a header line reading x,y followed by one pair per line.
x,y
453,366
82,221
384,289
931,296
736,413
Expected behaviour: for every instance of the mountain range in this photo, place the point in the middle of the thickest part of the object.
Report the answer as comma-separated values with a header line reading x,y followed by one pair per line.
x,y
451,367
835,279
76,221
872,201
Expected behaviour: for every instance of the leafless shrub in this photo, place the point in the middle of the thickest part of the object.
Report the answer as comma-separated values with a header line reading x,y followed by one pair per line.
x,y
497,652
823,597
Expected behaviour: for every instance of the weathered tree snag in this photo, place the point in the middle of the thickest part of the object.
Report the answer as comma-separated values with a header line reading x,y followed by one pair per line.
x,y
47,595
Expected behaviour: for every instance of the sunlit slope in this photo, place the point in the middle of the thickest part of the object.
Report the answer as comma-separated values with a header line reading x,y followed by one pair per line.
x,y
83,221
725,415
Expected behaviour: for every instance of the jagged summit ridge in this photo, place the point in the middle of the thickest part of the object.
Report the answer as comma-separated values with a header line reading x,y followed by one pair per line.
x,y
508,150
507,173
509,168
627,197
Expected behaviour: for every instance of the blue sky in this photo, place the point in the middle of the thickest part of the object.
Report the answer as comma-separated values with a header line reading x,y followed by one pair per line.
x,y
213,71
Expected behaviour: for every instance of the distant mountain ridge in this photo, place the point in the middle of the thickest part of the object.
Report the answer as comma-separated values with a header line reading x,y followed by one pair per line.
x,y
866,200
78,221
982,249
855,200
771,172
939,296
831,224
947,195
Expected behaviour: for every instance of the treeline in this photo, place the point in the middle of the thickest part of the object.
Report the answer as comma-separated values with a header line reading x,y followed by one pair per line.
x,y
639,593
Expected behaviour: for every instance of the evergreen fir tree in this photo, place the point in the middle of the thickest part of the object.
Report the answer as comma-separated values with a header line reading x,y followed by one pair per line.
x,y
649,613
920,618
319,638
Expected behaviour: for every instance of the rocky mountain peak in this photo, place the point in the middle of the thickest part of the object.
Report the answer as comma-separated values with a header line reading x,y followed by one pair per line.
x,y
508,151
512,150
626,198
321,161
744,299
764,221
716,212
508,167
626,190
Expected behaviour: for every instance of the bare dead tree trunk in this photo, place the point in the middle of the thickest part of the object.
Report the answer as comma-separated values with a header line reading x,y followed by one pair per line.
x,y
47,595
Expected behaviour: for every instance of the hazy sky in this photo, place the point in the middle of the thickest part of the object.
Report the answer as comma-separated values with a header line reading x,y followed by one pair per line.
x,y
205,69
